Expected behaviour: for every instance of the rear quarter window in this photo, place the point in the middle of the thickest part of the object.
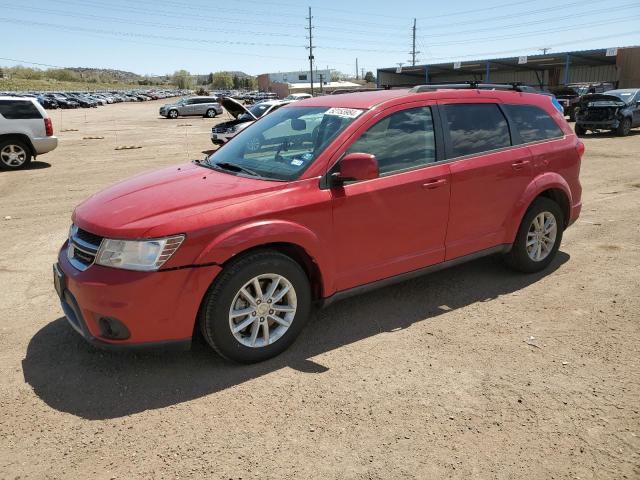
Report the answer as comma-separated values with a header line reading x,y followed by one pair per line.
x,y
475,128
533,123
19,110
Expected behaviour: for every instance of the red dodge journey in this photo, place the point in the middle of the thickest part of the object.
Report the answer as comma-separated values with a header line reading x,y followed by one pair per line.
x,y
323,198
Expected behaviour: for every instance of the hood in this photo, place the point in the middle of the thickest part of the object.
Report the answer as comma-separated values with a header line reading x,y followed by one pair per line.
x,y
166,201
234,107
601,100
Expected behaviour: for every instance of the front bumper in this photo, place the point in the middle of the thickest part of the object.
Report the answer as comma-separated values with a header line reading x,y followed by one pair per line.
x,y
599,125
221,138
157,308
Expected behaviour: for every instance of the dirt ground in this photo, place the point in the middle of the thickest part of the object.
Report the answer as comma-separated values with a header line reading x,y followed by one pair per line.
x,y
429,379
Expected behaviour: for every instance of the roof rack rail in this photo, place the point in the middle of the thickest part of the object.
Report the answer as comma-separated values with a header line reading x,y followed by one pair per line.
x,y
472,84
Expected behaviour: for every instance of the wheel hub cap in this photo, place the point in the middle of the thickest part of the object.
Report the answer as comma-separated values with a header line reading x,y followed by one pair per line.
x,y
262,310
541,236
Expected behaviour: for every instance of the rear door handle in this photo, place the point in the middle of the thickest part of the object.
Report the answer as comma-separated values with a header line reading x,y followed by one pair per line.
x,y
435,183
519,164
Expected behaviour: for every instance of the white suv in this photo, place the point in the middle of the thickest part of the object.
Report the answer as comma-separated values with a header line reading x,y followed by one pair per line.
x,y
26,131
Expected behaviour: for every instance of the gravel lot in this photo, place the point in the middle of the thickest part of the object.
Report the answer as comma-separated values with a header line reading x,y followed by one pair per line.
x,y
432,378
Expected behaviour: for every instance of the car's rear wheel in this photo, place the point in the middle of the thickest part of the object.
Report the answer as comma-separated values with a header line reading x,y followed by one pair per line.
x,y
624,128
256,307
211,113
580,130
14,155
173,114
538,238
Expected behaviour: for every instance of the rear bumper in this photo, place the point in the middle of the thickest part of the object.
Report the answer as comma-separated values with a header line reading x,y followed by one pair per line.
x,y
159,309
44,144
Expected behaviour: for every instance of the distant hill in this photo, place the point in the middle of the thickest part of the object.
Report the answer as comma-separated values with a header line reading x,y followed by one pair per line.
x,y
107,73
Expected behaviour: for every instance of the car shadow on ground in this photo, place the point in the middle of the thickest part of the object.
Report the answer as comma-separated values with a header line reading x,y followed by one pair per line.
x,y
34,165
71,376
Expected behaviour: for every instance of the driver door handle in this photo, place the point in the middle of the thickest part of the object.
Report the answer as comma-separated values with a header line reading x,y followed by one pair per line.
x,y
434,183
519,164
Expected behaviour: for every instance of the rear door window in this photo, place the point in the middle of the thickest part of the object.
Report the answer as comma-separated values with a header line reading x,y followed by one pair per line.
x,y
533,123
19,110
475,128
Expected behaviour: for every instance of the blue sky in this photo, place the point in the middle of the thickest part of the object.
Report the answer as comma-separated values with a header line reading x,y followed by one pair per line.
x,y
255,36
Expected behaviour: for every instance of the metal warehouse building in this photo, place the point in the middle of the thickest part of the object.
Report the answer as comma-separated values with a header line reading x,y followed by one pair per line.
x,y
620,66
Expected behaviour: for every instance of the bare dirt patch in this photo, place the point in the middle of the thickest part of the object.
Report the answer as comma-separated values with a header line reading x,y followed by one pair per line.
x,y
433,378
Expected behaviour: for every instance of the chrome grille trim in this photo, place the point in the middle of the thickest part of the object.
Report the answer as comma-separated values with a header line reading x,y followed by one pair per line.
x,y
88,250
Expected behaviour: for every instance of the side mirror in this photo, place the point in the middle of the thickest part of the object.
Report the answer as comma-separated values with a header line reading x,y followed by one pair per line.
x,y
357,167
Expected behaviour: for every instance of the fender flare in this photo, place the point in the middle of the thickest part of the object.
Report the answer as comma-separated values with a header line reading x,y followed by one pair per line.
x,y
541,183
264,232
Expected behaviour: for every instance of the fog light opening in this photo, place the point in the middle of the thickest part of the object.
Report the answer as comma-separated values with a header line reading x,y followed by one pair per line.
x,y
113,329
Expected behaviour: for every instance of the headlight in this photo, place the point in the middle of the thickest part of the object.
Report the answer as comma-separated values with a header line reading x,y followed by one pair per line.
x,y
142,255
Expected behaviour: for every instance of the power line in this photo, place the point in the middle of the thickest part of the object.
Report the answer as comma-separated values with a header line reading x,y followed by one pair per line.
x,y
533,22
536,32
535,48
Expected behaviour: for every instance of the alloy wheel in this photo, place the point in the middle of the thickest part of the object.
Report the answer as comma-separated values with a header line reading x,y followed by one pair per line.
x,y
541,236
262,310
13,156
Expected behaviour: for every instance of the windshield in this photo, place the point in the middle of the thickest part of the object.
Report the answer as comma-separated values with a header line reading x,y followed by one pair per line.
x,y
258,110
283,144
625,95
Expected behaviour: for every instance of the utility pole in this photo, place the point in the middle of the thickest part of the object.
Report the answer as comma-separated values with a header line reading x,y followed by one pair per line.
x,y
310,47
321,82
357,69
544,50
413,52
362,73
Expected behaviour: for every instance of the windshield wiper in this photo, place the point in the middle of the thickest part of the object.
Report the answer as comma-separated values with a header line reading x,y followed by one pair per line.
x,y
235,168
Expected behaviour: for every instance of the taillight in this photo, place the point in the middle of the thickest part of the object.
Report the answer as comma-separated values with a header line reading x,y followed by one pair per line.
x,y
580,148
48,127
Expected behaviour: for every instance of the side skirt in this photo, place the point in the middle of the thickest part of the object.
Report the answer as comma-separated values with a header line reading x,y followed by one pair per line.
x,y
341,295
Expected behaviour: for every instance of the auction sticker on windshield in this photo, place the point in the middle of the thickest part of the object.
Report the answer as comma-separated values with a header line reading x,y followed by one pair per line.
x,y
344,112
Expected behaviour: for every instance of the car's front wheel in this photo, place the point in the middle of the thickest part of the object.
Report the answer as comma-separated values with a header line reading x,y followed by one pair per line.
x,y
256,307
624,128
14,155
173,114
580,130
538,238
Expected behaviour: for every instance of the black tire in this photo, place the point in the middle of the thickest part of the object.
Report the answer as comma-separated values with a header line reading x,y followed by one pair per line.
x,y
624,128
211,113
173,114
214,311
518,258
580,130
20,148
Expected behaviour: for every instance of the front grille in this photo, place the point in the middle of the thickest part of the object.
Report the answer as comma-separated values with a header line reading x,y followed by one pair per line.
x,y
83,247
88,237
599,114
222,130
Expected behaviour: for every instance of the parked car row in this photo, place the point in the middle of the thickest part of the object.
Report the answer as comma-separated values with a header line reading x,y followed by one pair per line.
x,y
53,100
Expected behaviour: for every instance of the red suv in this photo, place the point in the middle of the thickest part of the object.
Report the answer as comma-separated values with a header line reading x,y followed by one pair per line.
x,y
345,193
